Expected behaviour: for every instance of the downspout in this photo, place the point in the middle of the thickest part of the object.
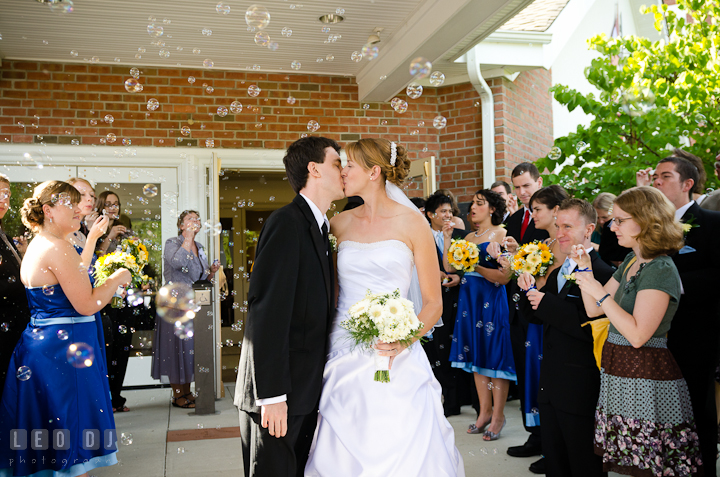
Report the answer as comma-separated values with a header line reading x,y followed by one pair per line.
x,y
487,106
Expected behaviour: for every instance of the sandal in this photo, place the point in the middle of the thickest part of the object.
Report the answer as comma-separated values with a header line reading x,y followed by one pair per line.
x,y
491,436
121,409
188,403
473,429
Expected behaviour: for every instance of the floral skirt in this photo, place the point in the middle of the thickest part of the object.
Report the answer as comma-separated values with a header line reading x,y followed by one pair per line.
x,y
644,423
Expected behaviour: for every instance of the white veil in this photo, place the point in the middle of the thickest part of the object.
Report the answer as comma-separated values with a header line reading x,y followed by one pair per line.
x,y
414,294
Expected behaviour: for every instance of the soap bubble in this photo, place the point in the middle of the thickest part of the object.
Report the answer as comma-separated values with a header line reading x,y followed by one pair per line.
x,y
4,327
637,101
132,85
366,106
176,302
370,51
135,73
165,53
222,111
73,53
295,65
313,125
23,373
273,46
262,38
109,118
48,290
191,79
257,17
340,11
62,335
329,58
111,137
209,143
254,90
150,190
437,78
414,90
286,32
80,355
206,32
122,329
356,56
185,130
209,90
126,142
208,63
236,107
153,104
222,9
126,438
439,122
291,100
555,153
196,51
420,67
154,31
400,106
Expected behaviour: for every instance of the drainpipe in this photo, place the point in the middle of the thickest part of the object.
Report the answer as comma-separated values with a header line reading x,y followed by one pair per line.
x,y
488,117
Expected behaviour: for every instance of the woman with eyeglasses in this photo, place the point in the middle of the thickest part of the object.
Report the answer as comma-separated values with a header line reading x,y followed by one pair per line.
x,y
644,422
118,322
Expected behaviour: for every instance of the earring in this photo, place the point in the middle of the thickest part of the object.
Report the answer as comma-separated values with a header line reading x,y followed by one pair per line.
x,y
51,220
371,177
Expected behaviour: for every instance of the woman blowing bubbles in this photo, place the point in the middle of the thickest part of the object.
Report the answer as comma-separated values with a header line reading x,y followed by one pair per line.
x,y
644,422
57,383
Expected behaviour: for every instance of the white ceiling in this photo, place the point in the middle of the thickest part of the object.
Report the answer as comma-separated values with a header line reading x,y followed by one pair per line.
x,y
113,31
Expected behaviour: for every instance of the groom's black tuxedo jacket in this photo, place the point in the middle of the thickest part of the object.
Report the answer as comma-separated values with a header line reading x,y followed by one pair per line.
x,y
290,310
569,377
693,336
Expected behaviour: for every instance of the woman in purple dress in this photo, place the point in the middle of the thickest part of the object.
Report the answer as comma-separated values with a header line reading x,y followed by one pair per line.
x,y
185,261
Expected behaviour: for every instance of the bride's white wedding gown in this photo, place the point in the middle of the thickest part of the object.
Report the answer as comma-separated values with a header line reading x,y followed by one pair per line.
x,y
367,428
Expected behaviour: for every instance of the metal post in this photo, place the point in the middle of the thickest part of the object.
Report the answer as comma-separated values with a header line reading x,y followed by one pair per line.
x,y
204,337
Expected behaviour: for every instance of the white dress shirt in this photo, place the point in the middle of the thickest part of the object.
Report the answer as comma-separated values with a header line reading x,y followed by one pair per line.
x,y
321,219
681,211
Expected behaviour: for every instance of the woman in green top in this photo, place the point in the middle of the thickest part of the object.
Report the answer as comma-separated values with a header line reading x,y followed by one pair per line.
x,y
644,422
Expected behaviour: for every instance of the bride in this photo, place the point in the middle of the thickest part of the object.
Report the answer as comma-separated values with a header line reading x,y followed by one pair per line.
x,y
367,428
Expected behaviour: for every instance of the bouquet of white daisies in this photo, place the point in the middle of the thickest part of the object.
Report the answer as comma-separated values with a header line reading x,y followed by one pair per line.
x,y
386,317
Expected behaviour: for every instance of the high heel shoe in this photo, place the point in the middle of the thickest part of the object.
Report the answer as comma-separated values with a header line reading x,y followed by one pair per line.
x,y
491,436
473,429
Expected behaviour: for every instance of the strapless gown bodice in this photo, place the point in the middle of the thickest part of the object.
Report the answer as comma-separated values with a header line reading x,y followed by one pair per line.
x,y
381,267
50,302
366,428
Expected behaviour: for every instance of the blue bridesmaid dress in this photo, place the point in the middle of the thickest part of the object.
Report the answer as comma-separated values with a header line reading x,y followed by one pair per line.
x,y
481,340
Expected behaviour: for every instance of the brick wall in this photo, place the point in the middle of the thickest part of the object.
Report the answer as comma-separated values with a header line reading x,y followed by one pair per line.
x,y
59,103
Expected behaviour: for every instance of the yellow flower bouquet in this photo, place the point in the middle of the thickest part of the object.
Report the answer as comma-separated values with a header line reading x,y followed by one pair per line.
x,y
130,254
534,258
463,255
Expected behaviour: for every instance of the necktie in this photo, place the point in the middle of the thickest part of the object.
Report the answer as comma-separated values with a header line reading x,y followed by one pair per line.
x,y
10,247
564,270
326,238
439,239
526,221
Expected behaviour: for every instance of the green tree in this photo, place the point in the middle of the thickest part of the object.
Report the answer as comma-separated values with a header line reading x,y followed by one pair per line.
x,y
650,94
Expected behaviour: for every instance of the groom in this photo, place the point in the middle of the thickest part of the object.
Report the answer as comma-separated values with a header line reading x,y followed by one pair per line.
x,y
291,301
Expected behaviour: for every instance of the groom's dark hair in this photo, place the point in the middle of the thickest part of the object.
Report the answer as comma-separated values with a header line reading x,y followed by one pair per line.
x,y
301,153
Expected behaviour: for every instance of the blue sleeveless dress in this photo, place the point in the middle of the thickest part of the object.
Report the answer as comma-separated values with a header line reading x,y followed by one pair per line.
x,y
72,404
481,340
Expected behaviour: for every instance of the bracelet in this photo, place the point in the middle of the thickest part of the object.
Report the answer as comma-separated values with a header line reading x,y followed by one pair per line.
x,y
599,302
584,269
532,287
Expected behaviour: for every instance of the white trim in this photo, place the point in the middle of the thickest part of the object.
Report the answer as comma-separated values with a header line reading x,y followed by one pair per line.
x,y
513,36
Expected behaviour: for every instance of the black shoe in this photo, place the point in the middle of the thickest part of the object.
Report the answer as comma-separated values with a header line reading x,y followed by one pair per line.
x,y
525,450
538,467
455,411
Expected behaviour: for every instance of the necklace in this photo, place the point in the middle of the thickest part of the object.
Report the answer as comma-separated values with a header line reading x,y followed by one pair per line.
x,y
480,235
550,243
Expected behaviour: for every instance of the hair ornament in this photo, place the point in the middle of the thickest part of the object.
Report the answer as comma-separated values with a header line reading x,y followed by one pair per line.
x,y
393,153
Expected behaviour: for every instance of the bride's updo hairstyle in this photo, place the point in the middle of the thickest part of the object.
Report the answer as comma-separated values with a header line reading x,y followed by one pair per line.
x,y
376,152
47,193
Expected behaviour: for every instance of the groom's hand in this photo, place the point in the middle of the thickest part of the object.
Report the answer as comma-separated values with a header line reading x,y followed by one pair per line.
x,y
274,418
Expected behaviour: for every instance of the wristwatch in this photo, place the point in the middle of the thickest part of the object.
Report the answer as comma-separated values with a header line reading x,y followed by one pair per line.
x,y
599,302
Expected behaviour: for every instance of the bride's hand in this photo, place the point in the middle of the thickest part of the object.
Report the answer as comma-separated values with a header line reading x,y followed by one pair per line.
x,y
389,349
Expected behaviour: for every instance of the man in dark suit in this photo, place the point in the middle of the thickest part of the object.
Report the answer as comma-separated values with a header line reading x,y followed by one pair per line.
x,y
695,332
14,312
569,376
291,302
521,230
505,191
438,211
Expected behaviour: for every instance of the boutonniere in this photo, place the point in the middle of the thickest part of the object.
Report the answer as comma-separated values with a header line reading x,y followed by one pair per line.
x,y
503,225
333,242
689,225
570,278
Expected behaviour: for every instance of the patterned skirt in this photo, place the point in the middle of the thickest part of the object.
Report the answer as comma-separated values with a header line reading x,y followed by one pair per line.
x,y
644,423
